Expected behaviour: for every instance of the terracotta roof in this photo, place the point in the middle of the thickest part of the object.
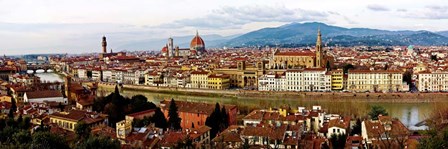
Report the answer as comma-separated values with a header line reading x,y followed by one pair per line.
x,y
43,94
296,53
198,132
200,72
338,123
78,115
228,136
146,112
218,76
373,71
171,139
197,42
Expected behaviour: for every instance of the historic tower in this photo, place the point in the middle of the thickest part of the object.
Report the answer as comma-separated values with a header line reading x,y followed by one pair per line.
x,y
104,43
319,50
68,89
170,47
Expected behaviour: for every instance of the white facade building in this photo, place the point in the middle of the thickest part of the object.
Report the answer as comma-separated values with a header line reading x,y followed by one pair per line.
x,y
82,73
375,81
309,79
96,74
43,96
432,81
272,82
107,76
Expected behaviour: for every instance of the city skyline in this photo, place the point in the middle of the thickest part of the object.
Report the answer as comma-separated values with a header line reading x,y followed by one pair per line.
x,y
77,26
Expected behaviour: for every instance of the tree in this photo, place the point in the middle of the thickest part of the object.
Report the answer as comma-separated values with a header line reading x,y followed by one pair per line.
x,y
61,107
217,121
407,77
22,137
95,142
82,130
347,67
141,122
328,66
246,144
140,103
48,140
159,119
19,119
12,109
356,128
437,134
173,117
376,110
434,57
25,123
225,118
338,141
435,139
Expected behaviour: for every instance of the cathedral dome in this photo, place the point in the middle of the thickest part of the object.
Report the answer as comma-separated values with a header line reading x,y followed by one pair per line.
x,y
164,49
197,43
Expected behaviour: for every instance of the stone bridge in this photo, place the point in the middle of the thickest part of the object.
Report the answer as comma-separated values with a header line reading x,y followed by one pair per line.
x,y
35,67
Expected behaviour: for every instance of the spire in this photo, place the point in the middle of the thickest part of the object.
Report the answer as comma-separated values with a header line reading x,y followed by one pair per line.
x,y
319,37
197,33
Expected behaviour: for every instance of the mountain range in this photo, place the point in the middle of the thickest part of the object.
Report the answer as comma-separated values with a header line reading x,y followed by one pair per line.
x,y
305,34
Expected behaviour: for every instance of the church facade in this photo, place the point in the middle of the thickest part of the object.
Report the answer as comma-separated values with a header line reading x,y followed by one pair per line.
x,y
299,59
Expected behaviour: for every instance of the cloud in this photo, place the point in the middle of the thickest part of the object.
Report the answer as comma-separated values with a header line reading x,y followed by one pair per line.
x,y
376,7
432,12
236,17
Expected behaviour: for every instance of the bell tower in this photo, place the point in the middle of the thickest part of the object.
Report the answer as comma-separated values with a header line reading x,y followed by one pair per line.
x,y
104,44
170,47
319,50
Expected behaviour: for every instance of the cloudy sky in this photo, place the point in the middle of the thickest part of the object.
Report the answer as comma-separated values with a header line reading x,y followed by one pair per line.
x,y
76,26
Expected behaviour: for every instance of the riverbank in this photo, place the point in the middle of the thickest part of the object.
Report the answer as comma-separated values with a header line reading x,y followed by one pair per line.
x,y
320,96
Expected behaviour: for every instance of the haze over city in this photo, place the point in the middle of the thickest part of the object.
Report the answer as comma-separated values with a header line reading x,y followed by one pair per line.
x,y
50,26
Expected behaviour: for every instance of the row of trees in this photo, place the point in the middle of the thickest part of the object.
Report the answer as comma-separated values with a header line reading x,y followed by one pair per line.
x,y
437,134
117,106
218,120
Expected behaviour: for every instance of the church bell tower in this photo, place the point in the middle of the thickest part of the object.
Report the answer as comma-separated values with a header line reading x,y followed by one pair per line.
x,y
104,43
319,56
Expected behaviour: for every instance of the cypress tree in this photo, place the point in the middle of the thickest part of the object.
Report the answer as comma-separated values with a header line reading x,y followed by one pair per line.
x,y
159,119
173,117
13,108
225,118
215,121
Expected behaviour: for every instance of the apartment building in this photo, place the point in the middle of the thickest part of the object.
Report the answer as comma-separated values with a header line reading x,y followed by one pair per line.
x,y
375,81
272,82
432,81
308,79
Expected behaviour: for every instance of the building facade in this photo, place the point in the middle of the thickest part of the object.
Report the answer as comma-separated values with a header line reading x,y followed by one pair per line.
x,y
375,81
199,79
218,81
337,80
308,79
272,82
432,81
194,114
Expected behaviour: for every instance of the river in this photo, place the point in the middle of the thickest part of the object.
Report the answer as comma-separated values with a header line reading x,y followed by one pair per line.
x,y
409,113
